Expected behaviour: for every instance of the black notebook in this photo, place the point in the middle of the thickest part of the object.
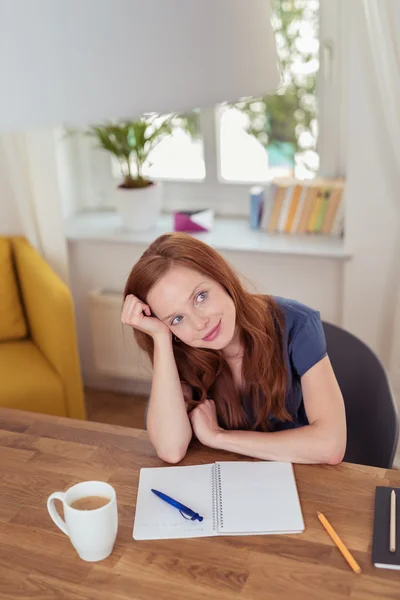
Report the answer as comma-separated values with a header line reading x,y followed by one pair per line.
x,y
381,555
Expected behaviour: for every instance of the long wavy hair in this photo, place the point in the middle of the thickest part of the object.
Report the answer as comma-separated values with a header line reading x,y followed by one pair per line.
x,y
206,371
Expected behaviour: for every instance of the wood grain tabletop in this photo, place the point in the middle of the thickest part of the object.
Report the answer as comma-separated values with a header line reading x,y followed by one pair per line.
x,y
40,454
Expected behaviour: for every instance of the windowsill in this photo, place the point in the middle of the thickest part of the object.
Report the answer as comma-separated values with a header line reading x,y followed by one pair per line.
x,y
232,234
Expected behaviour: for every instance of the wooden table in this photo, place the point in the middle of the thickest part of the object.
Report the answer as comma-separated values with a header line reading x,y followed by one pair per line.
x,y
42,454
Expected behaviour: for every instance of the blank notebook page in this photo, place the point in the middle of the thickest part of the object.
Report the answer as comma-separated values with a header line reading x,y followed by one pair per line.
x,y
192,486
258,497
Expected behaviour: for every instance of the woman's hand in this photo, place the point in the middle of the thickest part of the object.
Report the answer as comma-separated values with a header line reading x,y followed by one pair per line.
x,y
137,314
204,423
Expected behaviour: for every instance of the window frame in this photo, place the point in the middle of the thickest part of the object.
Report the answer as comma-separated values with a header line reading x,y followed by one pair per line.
x,y
231,198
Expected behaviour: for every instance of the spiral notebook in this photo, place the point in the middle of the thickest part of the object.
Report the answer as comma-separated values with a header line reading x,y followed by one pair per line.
x,y
234,498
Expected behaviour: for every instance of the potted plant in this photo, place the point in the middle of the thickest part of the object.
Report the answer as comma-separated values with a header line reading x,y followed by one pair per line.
x,y
138,199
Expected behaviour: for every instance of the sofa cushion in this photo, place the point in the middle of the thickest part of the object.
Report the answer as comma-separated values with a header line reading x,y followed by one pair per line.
x,y
12,321
28,381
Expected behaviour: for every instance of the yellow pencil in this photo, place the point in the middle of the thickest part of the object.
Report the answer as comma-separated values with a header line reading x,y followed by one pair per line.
x,y
353,564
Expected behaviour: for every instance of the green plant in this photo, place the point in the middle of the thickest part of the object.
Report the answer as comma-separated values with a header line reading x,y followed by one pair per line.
x,y
279,120
132,141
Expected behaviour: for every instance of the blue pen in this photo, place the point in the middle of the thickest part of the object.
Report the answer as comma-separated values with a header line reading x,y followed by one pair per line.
x,y
181,507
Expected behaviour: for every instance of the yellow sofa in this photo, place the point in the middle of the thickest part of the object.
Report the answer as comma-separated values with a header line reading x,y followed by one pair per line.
x,y
39,362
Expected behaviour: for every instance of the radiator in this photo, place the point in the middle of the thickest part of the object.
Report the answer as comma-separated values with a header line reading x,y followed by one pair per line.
x,y
114,350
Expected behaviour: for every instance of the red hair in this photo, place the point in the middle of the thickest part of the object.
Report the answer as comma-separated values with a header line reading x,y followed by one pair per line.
x,y
206,371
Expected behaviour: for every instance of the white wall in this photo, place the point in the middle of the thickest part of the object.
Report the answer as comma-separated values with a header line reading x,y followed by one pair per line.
x,y
372,225
63,60
371,303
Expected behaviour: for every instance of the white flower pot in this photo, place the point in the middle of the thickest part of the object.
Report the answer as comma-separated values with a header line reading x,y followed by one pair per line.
x,y
139,208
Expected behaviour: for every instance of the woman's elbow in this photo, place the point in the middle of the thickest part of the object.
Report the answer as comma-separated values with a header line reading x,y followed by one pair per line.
x,y
335,453
172,456
335,458
172,453
169,450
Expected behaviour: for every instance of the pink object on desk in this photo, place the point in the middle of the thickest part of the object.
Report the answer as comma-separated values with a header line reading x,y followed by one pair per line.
x,y
192,221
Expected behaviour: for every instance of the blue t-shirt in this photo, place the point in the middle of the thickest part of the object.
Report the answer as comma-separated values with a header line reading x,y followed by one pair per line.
x,y
304,346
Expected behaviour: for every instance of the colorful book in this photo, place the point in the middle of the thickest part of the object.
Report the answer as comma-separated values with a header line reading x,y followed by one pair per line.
x,y
283,217
276,209
330,215
323,209
299,209
338,223
256,205
269,198
293,208
312,192
317,204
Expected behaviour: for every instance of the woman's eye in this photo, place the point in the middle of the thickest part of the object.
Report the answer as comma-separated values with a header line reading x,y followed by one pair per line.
x,y
175,320
201,297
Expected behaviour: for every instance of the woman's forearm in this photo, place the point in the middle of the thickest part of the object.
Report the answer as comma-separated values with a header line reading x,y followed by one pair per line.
x,y
308,444
168,425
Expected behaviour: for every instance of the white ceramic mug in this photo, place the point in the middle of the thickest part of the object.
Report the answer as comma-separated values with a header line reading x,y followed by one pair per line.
x,y
92,532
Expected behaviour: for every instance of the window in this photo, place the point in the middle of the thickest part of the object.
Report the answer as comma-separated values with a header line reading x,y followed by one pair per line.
x,y
212,156
276,135
178,156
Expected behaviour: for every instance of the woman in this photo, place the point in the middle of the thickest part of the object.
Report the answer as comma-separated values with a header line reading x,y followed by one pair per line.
x,y
244,372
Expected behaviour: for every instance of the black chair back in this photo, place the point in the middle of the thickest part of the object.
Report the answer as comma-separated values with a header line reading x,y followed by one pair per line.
x,y
371,412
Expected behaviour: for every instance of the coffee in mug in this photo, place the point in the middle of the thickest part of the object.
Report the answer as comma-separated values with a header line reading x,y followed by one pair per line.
x,y
89,502
90,518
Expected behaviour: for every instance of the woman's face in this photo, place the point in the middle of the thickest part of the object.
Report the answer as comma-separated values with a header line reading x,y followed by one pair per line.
x,y
198,310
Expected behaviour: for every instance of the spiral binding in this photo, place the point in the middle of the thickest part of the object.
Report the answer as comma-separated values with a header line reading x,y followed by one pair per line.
x,y
217,510
214,498
220,511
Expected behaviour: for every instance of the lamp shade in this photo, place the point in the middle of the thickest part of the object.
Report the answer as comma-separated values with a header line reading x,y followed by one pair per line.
x,y
81,61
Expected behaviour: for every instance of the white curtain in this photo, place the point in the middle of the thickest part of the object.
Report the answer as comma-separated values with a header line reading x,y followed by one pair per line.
x,y
29,161
15,166
382,18
383,22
